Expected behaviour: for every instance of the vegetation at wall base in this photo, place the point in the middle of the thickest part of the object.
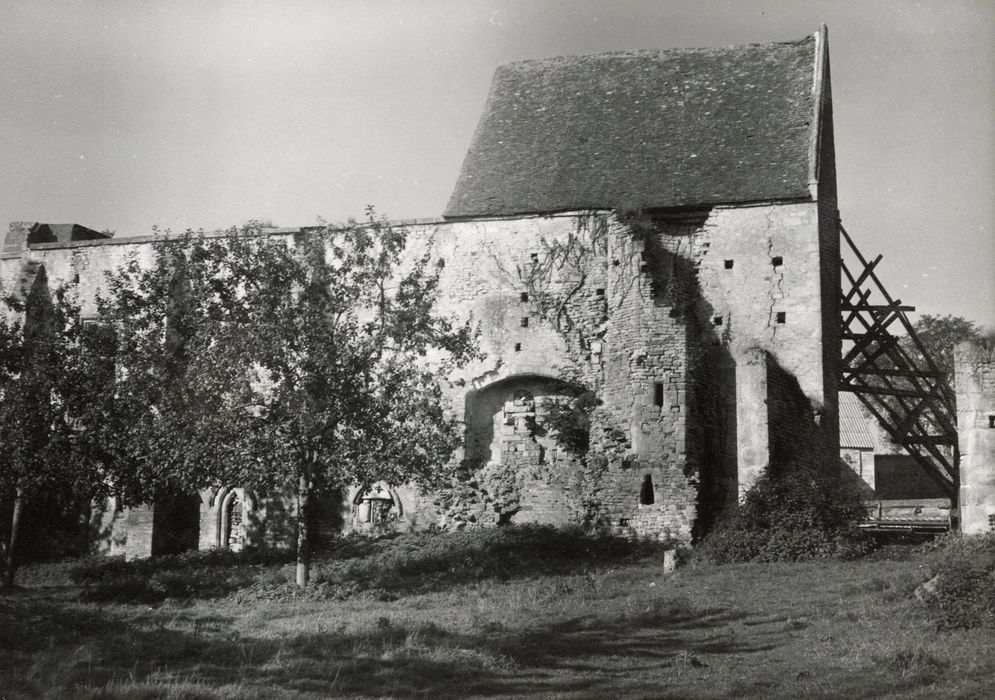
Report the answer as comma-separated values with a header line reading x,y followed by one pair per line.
x,y
795,512
384,567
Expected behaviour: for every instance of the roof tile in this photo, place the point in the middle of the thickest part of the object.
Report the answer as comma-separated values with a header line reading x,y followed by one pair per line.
x,y
643,129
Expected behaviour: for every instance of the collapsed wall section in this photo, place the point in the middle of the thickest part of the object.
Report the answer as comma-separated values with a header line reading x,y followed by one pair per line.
x,y
567,305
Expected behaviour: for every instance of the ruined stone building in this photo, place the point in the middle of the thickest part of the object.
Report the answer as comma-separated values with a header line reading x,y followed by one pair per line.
x,y
659,228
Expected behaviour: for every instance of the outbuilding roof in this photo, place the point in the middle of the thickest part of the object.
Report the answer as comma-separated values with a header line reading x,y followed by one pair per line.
x,y
854,431
645,129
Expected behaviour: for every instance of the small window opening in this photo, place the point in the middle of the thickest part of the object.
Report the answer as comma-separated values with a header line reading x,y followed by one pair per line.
x,y
777,260
728,264
781,317
658,394
717,321
991,421
518,347
646,495
525,321
524,296
599,292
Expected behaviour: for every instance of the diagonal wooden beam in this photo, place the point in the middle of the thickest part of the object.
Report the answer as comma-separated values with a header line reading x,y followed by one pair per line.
x,y
908,396
866,273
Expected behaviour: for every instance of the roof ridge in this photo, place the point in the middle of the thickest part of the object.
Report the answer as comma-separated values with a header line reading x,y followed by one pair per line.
x,y
676,50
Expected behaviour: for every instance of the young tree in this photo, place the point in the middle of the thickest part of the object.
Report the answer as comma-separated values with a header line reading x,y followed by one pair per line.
x,y
42,370
311,362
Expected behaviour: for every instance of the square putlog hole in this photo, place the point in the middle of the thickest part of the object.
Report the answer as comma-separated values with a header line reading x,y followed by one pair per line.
x,y
781,317
777,261
658,394
728,264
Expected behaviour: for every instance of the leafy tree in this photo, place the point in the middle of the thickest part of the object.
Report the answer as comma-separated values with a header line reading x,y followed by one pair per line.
x,y
311,362
939,335
43,374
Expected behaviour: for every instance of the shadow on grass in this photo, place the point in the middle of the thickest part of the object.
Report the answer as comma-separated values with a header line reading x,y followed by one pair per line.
x,y
668,648
387,568
59,645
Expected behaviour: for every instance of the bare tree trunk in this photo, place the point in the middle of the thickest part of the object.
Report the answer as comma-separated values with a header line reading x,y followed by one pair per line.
x,y
303,528
15,526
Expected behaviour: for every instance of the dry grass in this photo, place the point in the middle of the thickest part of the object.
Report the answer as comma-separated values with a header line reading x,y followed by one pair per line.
x,y
623,629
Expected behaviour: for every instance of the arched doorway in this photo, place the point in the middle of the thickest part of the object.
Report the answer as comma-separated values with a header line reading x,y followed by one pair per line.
x,y
376,505
528,474
232,522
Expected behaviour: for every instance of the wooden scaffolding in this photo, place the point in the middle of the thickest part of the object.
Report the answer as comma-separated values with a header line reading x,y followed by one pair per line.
x,y
894,377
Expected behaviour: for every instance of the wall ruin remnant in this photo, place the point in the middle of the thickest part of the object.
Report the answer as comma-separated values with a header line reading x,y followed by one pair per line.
x,y
974,369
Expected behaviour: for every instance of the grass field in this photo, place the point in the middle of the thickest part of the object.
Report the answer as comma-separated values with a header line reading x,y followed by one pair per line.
x,y
500,615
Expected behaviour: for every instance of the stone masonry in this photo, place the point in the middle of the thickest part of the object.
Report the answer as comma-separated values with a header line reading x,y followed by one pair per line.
x,y
702,311
974,367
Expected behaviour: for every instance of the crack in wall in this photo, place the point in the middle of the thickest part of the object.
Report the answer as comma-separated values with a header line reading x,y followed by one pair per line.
x,y
776,289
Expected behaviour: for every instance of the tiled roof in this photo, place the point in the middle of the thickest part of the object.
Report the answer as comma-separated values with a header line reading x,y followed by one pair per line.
x,y
854,432
643,129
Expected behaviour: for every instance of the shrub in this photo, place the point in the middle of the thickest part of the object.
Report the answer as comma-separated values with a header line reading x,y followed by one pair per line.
x,y
801,511
570,422
961,589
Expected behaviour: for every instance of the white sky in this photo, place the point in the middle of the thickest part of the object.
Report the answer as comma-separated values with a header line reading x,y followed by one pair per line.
x,y
125,115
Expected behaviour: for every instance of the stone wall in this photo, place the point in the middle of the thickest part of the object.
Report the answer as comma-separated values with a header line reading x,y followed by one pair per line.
x,y
974,366
824,181
663,315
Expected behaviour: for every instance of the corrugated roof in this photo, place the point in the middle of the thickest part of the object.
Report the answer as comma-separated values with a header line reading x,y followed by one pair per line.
x,y
643,129
854,431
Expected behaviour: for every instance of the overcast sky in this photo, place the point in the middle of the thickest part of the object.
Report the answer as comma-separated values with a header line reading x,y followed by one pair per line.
x,y
124,115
